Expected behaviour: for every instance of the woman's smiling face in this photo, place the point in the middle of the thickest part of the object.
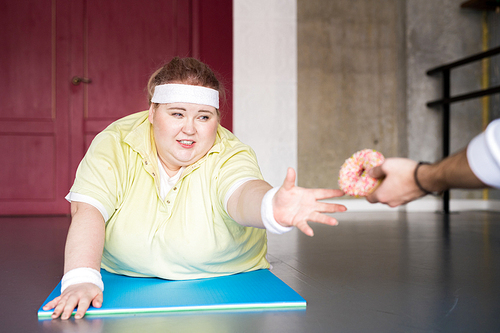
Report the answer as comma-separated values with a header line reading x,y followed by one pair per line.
x,y
183,133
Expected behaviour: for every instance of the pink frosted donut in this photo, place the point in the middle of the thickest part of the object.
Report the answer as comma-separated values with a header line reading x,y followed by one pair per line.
x,y
353,178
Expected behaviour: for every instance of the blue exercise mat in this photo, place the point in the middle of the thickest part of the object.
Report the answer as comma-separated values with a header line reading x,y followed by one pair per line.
x,y
130,295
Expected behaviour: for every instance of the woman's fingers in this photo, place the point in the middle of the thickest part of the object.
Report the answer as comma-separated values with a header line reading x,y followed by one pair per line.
x,y
67,311
323,193
78,296
316,218
52,304
305,228
324,207
322,218
289,181
97,302
83,306
65,307
296,206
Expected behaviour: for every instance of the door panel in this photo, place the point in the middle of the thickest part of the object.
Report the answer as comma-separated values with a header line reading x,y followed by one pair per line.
x,y
34,169
46,122
124,44
30,150
26,76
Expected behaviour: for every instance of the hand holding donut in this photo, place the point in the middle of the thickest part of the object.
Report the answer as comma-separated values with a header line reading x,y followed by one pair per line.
x,y
398,186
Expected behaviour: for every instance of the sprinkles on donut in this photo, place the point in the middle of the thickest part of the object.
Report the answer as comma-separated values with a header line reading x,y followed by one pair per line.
x,y
353,177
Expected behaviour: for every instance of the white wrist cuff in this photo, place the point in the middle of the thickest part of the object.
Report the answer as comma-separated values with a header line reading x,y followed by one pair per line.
x,y
267,215
82,275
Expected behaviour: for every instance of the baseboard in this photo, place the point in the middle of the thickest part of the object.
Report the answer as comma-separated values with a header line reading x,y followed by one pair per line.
x,y
427,204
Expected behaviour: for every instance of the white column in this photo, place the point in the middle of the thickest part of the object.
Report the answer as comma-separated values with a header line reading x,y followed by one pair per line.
x,y
265,82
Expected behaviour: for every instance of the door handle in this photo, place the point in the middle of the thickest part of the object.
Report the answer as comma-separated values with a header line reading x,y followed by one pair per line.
x,y
76,80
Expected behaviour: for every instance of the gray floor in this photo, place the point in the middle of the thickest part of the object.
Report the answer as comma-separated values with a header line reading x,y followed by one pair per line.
x,y
375,272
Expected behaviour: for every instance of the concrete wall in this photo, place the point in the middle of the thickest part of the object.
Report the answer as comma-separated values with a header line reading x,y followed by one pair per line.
x,y
439,32
362,81
493,24
317,80
351,84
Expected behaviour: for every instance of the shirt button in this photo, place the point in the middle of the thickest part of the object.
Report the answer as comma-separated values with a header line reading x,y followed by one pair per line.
x,y
146,162
175,188
154,174
168,201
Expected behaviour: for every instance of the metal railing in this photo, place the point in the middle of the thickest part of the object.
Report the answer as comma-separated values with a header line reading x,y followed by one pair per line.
x,y
446,100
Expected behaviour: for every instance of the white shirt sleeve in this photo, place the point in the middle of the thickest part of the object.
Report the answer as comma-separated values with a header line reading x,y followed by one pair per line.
x,y
483,155
72,196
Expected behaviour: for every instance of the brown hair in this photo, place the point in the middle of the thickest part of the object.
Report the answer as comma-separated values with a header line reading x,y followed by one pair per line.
x,y
185,71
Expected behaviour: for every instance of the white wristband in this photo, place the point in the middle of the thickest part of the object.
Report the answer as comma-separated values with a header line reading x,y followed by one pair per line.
x,y
267,215
82,275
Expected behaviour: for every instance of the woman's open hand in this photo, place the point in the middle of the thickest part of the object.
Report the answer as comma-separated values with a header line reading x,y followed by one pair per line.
x,y
295,206
79,295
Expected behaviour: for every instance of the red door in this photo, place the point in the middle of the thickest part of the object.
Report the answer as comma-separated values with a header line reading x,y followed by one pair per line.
x,y
46,120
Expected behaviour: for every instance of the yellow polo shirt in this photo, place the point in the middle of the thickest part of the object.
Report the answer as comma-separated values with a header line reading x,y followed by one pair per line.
x,y
188,235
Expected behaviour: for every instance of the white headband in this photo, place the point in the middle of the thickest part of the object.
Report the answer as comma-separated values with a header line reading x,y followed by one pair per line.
x,y
185,93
